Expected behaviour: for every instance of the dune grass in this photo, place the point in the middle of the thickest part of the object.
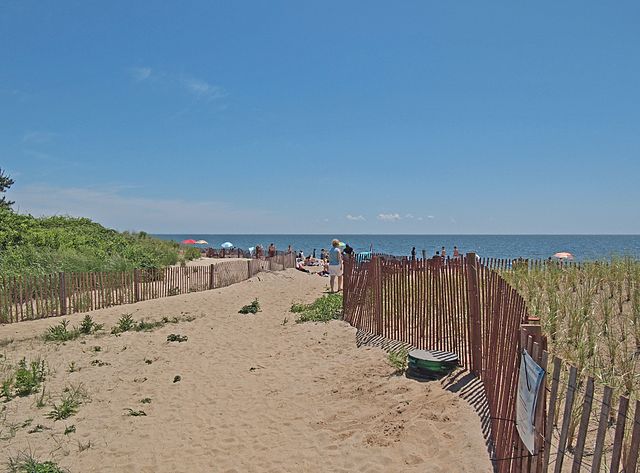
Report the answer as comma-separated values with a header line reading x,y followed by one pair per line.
x,y
323,309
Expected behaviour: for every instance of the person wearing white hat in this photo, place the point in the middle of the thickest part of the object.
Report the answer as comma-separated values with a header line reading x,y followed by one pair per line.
x,y
335,265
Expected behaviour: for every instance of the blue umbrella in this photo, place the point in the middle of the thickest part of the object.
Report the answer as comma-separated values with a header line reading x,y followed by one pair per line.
x,y
227,245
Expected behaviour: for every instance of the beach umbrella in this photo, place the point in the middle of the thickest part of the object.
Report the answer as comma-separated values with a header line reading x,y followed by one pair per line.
x,y
563,255
342,245
189,242
227,245
202,242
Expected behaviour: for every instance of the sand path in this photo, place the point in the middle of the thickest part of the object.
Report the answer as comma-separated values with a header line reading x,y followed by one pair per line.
x,y
256,394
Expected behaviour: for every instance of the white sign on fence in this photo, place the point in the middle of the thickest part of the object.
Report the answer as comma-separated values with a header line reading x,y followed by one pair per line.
x,y
531,376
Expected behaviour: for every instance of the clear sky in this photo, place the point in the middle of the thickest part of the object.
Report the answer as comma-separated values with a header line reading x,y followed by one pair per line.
x,y
321,117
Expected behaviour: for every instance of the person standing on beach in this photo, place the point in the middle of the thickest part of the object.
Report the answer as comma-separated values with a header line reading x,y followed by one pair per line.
x,y
456,253
413,253
443,253
335,265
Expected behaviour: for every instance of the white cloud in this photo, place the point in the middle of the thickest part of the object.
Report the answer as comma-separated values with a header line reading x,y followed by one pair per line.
x,y
430,217
113,209
38,137
140,74
202,89
356,217
409,216
389,217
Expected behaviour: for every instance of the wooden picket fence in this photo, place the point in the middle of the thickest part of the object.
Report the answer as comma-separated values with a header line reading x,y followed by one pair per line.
x,y
466,307
36,297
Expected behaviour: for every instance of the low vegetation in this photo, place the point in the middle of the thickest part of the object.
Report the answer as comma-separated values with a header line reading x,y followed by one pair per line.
x,y
70,401
26,379
591,317
26,463
398,360
177,338
63,333
252,308
49,245
324,309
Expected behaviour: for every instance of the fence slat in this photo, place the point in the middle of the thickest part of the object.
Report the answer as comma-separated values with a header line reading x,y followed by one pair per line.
x,y
566,418
602,429
582,430
619,435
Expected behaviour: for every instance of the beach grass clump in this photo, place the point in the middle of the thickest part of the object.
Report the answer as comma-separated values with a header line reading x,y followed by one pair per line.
x,y
88,326
590,314
70,401
323,309
25,380
134,413
26,463
398,360
61,332
125,324
252,308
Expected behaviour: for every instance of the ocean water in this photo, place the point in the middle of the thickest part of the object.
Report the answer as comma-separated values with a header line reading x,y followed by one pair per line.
x,y
583,247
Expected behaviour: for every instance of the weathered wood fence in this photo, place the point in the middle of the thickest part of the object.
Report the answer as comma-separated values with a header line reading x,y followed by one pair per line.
x,y
35,297
466,307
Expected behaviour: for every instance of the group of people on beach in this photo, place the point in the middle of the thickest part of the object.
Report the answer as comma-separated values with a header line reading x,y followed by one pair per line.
x,y
440,255
331,261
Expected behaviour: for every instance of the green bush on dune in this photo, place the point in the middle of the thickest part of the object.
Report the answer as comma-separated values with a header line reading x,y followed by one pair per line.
x,y
30,245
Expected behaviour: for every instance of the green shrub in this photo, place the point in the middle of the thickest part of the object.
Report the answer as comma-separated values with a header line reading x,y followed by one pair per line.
x,y
27,378
61,332
191,253
324,309
125,323
252,308
88,326
47,245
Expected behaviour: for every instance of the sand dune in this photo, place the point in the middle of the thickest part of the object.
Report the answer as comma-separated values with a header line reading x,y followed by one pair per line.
x,y
258,393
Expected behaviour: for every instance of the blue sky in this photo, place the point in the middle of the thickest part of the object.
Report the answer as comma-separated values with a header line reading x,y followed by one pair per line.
x,y
351,117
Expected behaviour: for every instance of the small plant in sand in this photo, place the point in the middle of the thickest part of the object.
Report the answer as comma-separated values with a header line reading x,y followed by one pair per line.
x,y
61,332
398,360
88,326
143,326
70,429
71,400
125,323
177,338
26,379
133,413
146,400
324,309
26,463
72,368
252,308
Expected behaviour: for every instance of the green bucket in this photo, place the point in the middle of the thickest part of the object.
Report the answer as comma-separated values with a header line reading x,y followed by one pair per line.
x,y
431,364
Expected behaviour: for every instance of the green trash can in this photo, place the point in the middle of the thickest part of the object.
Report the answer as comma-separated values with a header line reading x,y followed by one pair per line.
x,y
431,364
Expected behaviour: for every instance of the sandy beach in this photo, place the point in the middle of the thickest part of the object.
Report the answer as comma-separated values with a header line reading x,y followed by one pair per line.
x,y
257,393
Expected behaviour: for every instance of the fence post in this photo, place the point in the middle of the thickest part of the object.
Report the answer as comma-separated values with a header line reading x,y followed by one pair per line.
x,y
63,294
249,269
136,289
378,294
473,296
424,254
